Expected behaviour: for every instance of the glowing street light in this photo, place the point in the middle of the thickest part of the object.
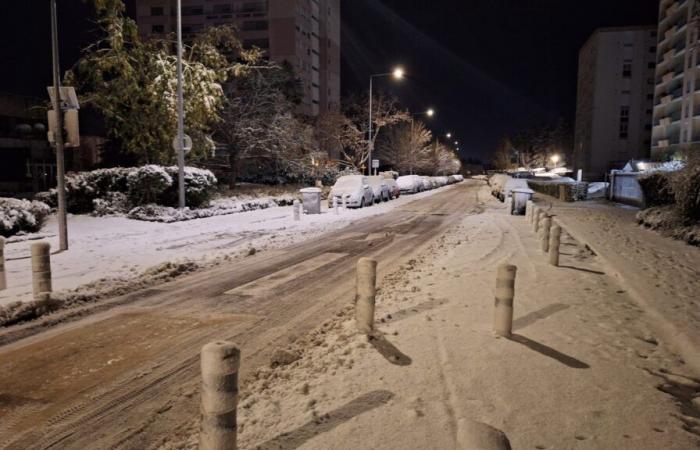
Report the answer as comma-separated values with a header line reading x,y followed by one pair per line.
x,y
397,74
430,112
555,159
449,135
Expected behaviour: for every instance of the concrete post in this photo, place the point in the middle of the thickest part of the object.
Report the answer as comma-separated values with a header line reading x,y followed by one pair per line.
x,y
220,362
335,205
546,225
3,277
528,210
365,293
296,206
345,202
505,291
554,241
536,220
41,267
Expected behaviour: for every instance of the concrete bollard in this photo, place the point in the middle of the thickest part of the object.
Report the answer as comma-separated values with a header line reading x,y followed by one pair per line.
x,y
345,202
296,206
335,205
546,225
3,277
554,242
365,291
528,210
41,267
220,362
505,291
536,220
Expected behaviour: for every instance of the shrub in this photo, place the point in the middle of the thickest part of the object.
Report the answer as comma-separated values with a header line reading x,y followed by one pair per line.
x,y
686,190
657,188
112,203
21,215
145,184
199,186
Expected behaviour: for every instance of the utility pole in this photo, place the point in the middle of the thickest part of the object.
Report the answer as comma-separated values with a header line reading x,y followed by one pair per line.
x,y
369,139
58,134
180,113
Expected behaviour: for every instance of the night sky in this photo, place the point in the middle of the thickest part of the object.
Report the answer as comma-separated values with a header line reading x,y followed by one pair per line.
x,y
487,66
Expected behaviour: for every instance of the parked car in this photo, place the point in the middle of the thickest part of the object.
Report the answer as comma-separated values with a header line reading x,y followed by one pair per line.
x,y
394,190
451,179
380,189
441,181
427,184
459,178
355,189
410,184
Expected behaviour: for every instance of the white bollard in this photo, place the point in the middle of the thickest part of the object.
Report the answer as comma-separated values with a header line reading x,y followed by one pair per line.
x,y
335,205
3,277
546,225
220,362
505,291
365,292
296,206
528,210
41,268
554,242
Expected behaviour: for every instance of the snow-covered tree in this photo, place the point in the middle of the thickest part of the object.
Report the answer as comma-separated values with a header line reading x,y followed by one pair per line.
x,y
132,83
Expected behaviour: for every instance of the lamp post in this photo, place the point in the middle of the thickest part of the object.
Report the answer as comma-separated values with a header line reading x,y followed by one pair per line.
x,y
397,74
180,114
555,159
58,135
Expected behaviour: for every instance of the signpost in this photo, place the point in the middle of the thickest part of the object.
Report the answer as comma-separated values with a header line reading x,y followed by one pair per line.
x,y
186,144
375,165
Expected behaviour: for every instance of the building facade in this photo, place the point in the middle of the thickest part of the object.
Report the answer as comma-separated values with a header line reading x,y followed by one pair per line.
x,y
614,107
305,33
677,91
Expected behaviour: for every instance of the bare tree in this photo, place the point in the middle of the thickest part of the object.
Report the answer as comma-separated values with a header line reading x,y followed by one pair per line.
x,y
502,157
406,147
385,112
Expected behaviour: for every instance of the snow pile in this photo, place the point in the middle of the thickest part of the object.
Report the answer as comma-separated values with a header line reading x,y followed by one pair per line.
x,y
219,207
597,189
21,215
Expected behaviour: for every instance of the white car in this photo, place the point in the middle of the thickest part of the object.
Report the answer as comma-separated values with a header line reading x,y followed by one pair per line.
x,y
459,178
427,184
441,181
380,189
410,184
394,191
355,189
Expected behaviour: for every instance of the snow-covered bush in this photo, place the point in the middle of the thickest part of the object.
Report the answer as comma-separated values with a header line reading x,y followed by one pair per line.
x,y
199,186
657,188
686,190
21,215
145,184
111,204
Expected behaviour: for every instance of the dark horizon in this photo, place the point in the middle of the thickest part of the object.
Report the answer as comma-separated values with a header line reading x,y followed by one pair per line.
x,y
456,56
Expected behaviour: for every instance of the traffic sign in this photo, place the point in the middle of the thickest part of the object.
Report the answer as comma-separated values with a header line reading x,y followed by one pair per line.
x,y
186,144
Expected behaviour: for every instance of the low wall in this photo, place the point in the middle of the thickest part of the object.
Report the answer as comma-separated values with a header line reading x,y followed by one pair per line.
x,y
569,192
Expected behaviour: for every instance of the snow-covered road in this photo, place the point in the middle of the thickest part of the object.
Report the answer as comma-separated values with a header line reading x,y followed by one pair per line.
x,y
116,247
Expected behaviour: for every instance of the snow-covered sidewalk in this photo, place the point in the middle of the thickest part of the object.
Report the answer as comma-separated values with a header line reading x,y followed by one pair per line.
x,y
120,248
581,372
663,274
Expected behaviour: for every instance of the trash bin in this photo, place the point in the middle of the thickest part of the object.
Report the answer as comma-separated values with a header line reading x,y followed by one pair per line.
x,y
311,198
520,198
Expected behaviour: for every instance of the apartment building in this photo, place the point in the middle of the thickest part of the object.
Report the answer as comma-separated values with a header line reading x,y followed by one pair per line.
x,y
615,99
306,33
677,92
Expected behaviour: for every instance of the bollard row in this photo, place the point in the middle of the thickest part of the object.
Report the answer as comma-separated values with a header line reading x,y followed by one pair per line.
x,y
549,233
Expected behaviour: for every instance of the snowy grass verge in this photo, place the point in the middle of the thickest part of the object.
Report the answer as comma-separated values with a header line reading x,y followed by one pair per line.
x,y
668,221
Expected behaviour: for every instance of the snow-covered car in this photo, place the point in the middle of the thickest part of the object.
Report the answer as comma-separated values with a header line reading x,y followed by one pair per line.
x,y
380,189
459,178
441,181
451,179
410,184
394,190
427,184
355,189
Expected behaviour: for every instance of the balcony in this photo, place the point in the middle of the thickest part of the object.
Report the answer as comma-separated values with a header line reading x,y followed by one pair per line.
x,y
666,121
663,143
668,77
665,100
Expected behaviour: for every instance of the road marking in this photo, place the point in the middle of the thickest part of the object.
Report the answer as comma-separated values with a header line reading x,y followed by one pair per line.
x,y
272,282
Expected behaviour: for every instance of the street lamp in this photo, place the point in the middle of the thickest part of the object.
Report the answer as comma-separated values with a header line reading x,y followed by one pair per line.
x,y
555,159
448,135
397,74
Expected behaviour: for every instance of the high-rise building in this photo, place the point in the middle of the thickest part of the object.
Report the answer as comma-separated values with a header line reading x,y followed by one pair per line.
x,y
677,93
305,33
615,98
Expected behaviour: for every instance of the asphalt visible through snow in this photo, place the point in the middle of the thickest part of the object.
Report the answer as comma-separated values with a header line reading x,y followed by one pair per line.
x,y
128,375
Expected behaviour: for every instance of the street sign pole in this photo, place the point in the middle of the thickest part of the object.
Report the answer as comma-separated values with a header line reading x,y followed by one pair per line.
x,y
180,113
58,137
